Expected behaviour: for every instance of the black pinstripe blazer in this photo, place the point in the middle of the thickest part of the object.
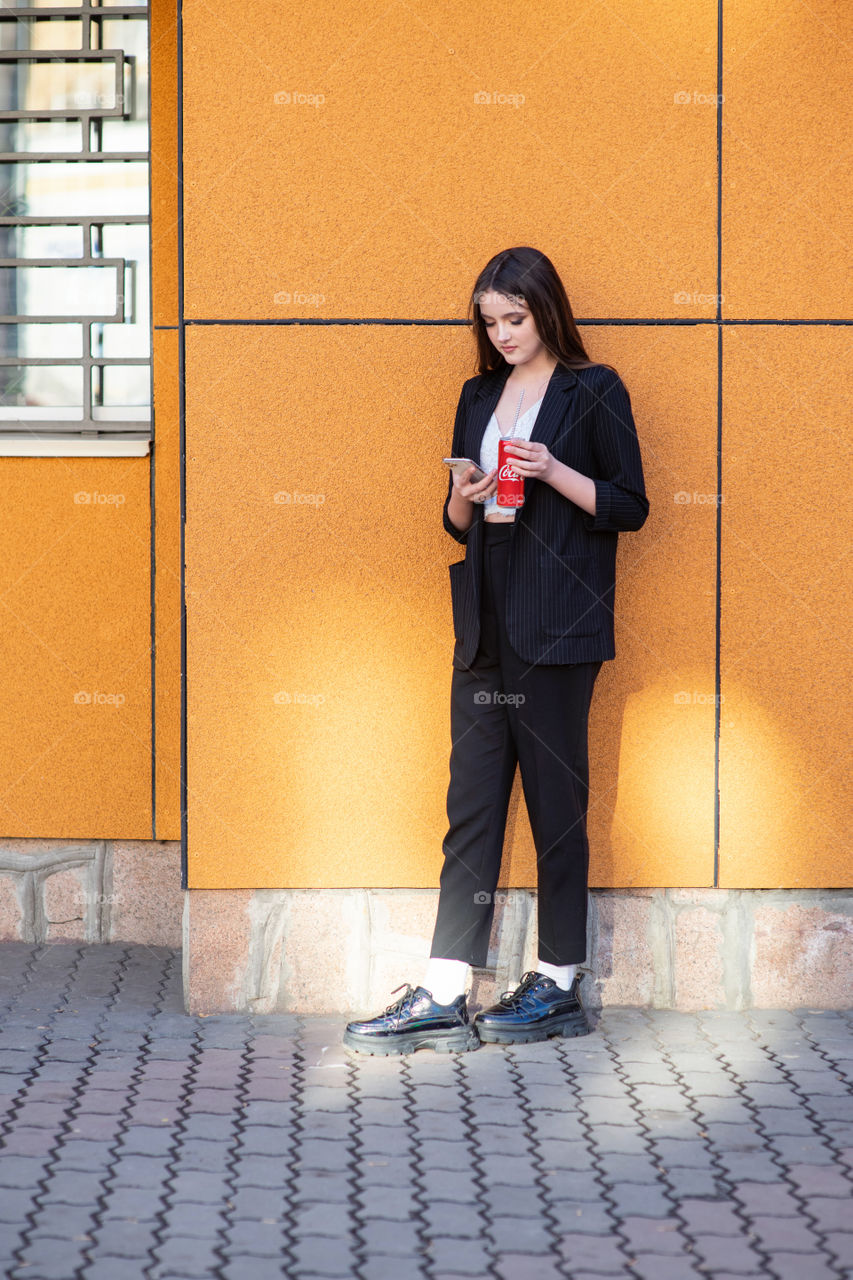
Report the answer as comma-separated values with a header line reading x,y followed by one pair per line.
x,y
562,561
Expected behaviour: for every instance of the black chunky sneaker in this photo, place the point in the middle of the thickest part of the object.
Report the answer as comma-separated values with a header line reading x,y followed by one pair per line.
x,y
535,1010
413,1022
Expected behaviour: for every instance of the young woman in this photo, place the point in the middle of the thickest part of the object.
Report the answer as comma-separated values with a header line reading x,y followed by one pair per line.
x,y
533,620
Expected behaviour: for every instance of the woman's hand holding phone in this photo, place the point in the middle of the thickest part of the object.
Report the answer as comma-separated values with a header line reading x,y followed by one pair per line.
x,y
475,490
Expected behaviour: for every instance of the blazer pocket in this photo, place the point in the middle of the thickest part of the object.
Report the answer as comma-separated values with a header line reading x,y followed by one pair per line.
x,y
570,602
458,588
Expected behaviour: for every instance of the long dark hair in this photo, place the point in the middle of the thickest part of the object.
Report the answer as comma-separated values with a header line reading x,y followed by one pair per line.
x,y
527,273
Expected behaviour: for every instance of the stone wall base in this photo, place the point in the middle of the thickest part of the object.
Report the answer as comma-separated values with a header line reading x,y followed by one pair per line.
x,y
344,951
91,891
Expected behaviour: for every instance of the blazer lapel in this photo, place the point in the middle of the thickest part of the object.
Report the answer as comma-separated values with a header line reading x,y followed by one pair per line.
x,y
554,405
485,401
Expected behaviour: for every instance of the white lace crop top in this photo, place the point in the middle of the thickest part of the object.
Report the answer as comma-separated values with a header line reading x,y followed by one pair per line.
x,y
489,451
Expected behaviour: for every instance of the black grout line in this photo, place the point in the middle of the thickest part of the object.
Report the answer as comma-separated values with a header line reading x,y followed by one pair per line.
x,y
718,534
182,450
152,578
718,608
582,321
719,302
152,474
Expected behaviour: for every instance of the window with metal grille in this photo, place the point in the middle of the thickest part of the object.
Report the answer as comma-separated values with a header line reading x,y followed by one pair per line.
x,y
75,333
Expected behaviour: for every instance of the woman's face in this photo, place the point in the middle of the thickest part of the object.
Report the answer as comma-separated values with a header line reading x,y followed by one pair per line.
x,y
510,327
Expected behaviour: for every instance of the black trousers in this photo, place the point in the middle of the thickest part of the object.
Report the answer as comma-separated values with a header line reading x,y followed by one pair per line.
x,y
504,712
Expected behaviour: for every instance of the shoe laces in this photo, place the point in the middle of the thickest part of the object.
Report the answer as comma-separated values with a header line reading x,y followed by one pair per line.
x,y
528,980
398,1006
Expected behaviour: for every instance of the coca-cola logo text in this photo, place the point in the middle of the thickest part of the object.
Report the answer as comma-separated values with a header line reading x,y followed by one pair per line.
x,y
506,473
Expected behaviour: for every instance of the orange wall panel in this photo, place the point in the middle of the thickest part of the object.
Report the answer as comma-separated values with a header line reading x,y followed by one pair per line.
x,y
167,587
787,168
319,634
338,163
651,819
74,600
164,160
319,631
785,783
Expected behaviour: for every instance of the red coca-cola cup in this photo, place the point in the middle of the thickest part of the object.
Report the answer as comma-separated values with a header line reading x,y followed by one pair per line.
x,y
510,483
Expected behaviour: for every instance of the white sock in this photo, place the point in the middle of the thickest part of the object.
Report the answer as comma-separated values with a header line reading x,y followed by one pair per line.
x,y
563,974
446,979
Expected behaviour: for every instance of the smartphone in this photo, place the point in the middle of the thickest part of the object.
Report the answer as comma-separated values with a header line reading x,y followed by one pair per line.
x,y
459,465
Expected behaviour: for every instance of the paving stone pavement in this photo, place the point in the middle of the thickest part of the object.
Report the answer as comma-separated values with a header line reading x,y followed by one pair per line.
x,y
143,1144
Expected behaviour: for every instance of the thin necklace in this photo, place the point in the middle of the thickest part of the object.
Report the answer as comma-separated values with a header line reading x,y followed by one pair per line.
x,y
517,412
502,435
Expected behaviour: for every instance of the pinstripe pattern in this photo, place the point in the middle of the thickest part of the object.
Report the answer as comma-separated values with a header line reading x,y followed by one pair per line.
x,y
561,578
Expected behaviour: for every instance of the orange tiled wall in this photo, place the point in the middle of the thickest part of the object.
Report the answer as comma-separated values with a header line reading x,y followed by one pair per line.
x,y
338,165
317,183
76,591
75,617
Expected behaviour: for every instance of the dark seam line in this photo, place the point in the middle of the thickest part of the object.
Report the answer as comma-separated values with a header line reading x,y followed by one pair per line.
x,y
715,320
152,487
718,612
719,518
182,419
153,637
166,326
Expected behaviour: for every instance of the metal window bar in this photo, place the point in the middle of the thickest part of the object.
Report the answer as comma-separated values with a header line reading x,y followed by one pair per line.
x,y
96,419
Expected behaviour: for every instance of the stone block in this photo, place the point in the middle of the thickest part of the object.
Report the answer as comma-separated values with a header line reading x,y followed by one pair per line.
x,y
401,923
10,910
802,953
59,888
514,937
260,950
699,974
620,953
328,934
711,899
216,934
147,898
65,902
485,990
